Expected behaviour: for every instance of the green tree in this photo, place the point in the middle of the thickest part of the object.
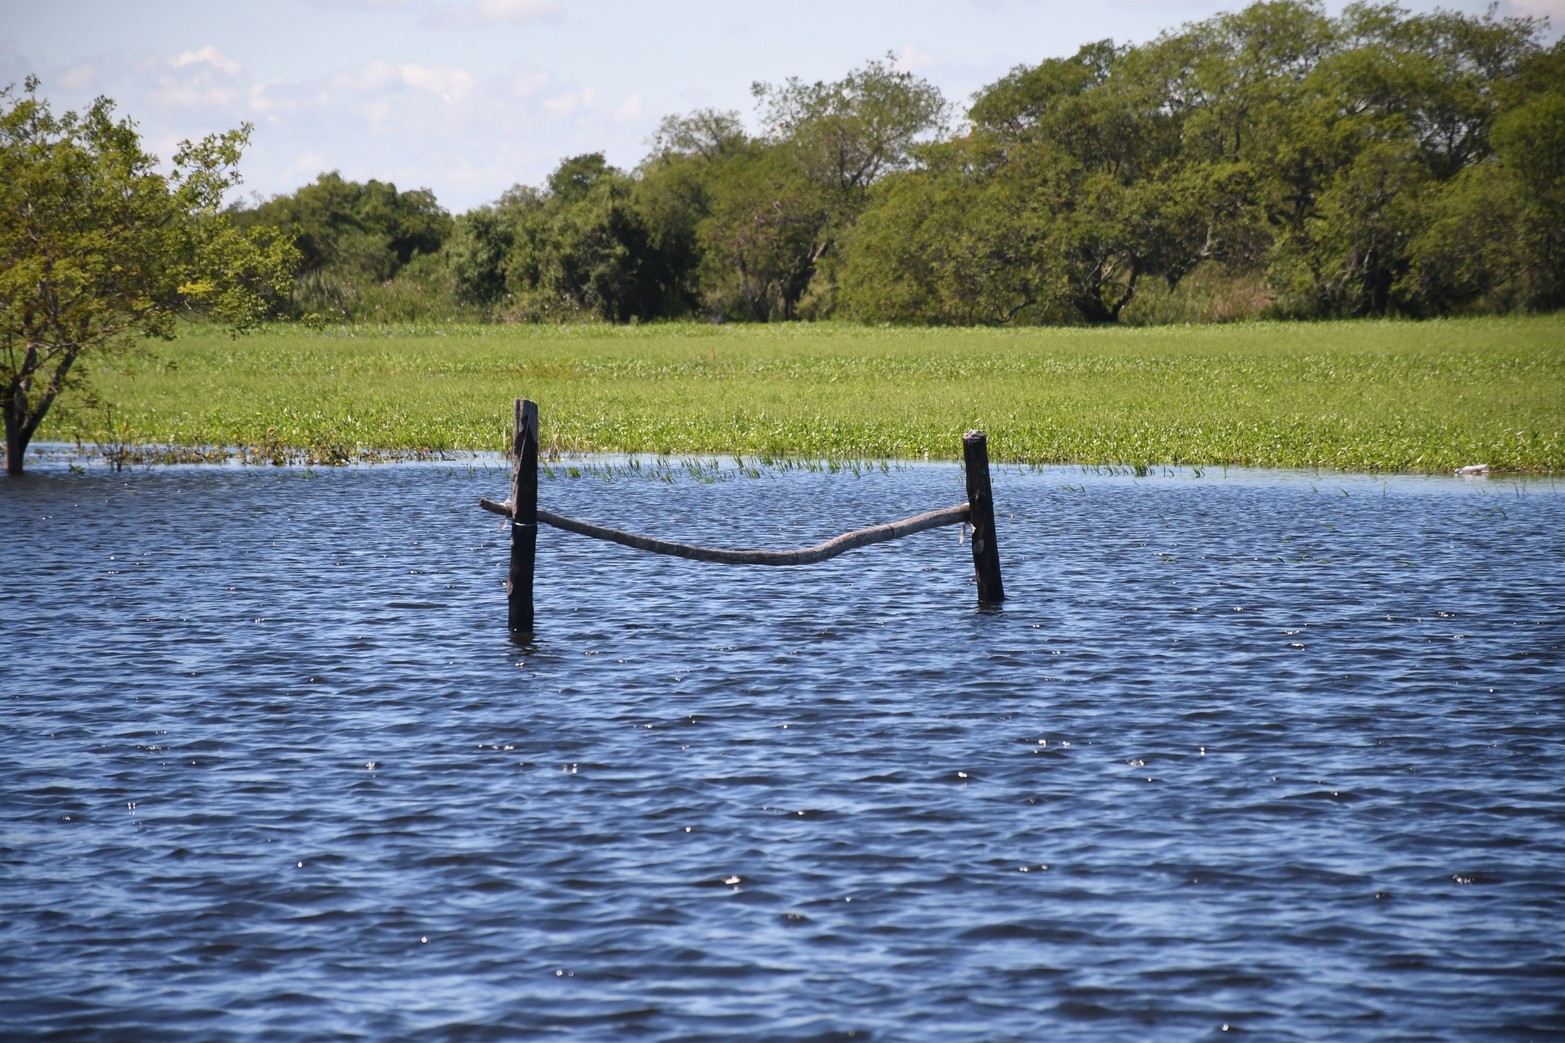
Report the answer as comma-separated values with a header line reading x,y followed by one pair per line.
x,y
479,249
585,251
953,242
1088,156
761,238
98,249
840,138
674,193
351,236
1529,141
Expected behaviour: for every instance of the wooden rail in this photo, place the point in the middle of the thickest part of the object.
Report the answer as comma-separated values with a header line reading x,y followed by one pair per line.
x,y
525,514
726,556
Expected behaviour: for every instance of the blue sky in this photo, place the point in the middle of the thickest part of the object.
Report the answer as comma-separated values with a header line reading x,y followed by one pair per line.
x,y
468,97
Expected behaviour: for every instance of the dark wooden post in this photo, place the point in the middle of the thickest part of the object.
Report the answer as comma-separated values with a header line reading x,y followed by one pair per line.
x,y
524,516
986,556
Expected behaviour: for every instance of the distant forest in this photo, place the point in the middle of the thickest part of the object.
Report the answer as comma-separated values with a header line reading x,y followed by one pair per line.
x,y
1270,162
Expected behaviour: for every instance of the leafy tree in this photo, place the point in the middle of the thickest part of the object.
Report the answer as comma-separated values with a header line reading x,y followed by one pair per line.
x,y
1321,150
480,247
950,243
1529,140
1089,154
351,236
709,134
762,236
585,251
98,249
850,132
674,194
841,137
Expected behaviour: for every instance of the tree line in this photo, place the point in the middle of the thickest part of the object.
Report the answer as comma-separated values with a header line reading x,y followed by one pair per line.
x,y
1375,163
1274,161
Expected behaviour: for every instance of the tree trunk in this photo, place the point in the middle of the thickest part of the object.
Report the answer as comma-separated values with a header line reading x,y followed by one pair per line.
x,y
17,436
20,420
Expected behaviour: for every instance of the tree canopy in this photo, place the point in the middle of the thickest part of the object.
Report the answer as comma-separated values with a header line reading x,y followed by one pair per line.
x,y
1371,163
1339,157
99,249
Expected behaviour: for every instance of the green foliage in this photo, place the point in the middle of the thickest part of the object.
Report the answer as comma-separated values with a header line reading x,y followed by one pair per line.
x,y
950,244
1291,162
98,249
830,143
351,238
848,133
1341,157
762,235
1364,396
584,251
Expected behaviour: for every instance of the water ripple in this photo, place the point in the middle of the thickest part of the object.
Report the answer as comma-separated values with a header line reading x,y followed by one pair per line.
x,y
1261,753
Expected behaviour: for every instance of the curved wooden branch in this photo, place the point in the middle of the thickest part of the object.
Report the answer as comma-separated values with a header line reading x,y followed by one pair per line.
x,y
724,556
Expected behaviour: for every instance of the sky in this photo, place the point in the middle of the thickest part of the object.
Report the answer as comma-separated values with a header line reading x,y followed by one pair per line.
x,y
469,97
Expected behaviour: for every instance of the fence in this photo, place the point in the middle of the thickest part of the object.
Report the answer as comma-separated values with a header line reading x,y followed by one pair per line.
x,y
525,514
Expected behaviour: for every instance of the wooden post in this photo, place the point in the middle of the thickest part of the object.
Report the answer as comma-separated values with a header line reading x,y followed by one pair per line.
x,y
986,556
524,517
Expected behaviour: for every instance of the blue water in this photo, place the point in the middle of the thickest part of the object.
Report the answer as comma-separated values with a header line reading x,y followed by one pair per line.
x,y
1242,753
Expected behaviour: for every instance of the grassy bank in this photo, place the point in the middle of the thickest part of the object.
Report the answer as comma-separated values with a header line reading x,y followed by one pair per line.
x,y
1359,396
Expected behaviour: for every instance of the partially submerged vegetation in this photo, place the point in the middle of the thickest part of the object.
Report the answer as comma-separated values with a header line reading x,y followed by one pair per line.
x,y
1277,162
1365,396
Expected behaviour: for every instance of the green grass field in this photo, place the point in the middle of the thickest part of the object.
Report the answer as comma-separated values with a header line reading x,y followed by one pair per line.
x,y
1361,396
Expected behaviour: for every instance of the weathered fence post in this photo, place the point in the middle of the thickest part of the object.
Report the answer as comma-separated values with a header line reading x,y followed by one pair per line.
x,y
523,510
986,556
524,516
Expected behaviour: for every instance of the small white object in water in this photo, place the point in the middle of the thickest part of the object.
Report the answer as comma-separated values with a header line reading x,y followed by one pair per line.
x,y
1474,469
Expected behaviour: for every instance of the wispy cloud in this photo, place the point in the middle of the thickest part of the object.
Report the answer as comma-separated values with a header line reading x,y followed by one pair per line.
x,y
569,104
79,78
528,82
198,80
208,55
632,109
912,58
490,12
377,77
449,85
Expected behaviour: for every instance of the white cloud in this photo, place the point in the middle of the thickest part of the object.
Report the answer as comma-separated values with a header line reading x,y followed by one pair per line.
x,y
912,58
631,108
529,82
451,85
79,78
569,104
305,167
490,12
197,96
378,77
363,5
1553,10
207,55
515,10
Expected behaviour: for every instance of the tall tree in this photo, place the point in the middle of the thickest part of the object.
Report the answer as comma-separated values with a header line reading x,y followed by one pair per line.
x,y
351,236
842,137
761,238
952,242
585,251
98,249
675,190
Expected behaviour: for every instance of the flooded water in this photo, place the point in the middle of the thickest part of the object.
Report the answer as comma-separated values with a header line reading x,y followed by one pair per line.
x,y
1243,753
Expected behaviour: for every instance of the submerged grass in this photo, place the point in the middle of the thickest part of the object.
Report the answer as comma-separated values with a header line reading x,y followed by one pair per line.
x,y
1361,396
